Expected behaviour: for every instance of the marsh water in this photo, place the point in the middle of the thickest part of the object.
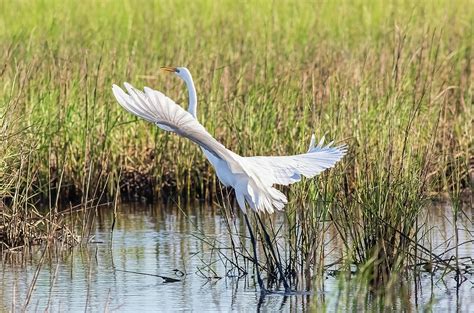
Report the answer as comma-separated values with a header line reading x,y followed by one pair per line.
x,y
116,271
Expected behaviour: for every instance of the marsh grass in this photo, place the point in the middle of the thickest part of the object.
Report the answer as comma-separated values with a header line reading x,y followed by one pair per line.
x,y
390,79
264,85
26,218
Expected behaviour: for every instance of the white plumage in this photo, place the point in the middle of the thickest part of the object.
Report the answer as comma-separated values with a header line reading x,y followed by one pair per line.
x,y
252,178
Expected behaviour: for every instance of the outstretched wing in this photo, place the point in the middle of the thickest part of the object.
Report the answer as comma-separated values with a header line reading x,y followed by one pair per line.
x,y
286,170
157,108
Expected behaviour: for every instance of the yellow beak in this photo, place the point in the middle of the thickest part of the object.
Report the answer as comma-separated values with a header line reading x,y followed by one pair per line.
x,y
168,69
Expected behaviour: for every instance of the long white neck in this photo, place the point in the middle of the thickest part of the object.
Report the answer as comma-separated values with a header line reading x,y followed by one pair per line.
x,y
192,108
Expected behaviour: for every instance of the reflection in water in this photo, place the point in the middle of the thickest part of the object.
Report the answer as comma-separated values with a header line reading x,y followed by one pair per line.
x,y
110,272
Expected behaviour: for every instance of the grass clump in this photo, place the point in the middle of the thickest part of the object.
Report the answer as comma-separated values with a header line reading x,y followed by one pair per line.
x,y
22,224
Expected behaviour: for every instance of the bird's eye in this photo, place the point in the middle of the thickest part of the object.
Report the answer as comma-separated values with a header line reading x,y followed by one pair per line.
x,y
177,70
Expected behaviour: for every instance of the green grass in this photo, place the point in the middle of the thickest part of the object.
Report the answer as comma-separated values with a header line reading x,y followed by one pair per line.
x,y
393,80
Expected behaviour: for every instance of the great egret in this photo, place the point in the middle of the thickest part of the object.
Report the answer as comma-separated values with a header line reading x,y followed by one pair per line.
x,y
252,178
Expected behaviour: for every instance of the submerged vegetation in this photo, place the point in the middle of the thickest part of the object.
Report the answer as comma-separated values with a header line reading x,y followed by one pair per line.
x,y
393,81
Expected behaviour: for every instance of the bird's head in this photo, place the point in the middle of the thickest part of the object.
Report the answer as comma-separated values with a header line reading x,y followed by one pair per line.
x,y
181,72
185,75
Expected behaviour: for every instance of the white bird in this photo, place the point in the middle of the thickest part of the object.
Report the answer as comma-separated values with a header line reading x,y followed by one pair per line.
x,y
252,178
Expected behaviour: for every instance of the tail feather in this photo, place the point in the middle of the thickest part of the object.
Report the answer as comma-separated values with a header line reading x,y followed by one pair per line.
x,y
264,199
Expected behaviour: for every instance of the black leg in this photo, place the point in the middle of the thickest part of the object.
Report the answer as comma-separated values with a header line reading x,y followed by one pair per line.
x,y
272,251
254,246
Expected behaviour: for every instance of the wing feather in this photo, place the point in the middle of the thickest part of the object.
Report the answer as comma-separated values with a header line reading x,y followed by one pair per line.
x,y
157,108
286,170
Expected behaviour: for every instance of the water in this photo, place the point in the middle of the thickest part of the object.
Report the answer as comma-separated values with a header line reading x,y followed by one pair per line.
x,y
160,240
